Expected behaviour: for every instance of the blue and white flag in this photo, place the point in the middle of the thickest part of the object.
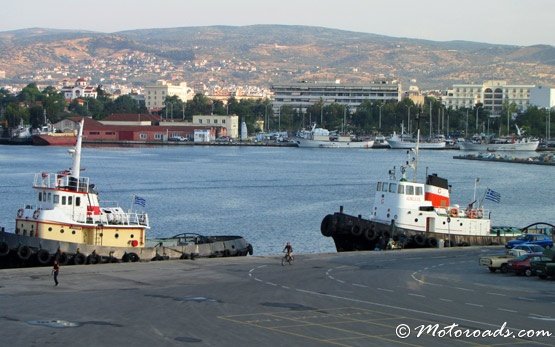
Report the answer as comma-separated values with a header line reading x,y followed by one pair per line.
x,y
493,196
140,201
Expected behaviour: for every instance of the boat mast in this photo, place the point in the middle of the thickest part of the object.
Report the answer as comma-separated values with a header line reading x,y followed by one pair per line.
x,y
416,154
76,153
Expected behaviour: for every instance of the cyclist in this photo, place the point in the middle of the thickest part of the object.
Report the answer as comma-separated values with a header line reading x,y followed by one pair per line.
x,y
288,249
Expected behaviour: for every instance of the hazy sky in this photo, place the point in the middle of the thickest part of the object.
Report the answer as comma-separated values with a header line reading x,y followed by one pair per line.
x,y
518,22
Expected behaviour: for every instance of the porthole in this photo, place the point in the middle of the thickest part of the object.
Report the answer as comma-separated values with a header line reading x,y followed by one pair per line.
x,y
73,232
388,215
116,235
461,224
444,223
61,231
50,229
416,220
132,236
101,234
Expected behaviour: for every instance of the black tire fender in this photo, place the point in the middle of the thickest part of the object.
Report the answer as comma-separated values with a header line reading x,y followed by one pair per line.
x,y
79,259
43,257
328,225
432,242
250,249
4,249
420,240
24,252
62,258
93,259
134,257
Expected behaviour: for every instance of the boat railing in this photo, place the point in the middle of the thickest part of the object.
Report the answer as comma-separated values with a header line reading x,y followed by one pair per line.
x,y
61,180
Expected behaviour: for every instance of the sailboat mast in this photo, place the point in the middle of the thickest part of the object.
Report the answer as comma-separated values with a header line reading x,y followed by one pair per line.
x,y
76,167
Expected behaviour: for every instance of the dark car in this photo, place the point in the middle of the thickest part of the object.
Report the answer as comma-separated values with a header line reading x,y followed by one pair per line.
x,y
537,239
521,264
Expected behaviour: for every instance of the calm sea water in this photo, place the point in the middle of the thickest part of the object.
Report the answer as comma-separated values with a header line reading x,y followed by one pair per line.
x,y
268,195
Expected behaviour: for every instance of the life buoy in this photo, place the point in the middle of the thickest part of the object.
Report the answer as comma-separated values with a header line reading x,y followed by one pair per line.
x,y
4,249
20,213
24,252
43,256
472,214
36,214
454,212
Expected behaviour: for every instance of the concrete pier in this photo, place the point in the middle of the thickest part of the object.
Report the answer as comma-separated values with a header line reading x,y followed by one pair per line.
x,y
346,299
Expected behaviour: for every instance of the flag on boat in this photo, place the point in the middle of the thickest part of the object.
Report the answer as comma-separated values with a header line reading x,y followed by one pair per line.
x,y
140,201
493,196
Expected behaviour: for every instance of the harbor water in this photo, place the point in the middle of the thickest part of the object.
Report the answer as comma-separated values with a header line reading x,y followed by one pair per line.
x,y
269,195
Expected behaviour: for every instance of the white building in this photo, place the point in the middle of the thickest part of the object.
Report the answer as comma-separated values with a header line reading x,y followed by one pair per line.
x,y
301,95
542,97
230,122
202,136
492,94
155,95
79,90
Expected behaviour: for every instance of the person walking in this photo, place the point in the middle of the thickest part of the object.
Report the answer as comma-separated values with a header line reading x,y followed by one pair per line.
x,y
55,271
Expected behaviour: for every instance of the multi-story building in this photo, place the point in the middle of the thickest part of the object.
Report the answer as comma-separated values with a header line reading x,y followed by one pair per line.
x,y
79,90
229,122
542,97
155,95
301,95
491,94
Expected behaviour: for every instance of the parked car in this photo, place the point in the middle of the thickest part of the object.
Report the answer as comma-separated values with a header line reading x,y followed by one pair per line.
x,y
545,266
525,248
537,239
177,139
521,264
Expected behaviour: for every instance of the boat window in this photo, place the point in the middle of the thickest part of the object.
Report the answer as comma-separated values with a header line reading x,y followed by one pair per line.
x,y
393,187
49,197
418,190
379,187
63,199
56,199
401,189
40,196
410,190
77,201
384,187
70,200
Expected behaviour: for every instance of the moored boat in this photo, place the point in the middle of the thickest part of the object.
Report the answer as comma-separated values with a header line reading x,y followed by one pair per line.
x,y
321,138
68,222
407,213
485,143
404,142
54,139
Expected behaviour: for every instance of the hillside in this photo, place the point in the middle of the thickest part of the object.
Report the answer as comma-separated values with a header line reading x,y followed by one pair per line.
x,y
264,54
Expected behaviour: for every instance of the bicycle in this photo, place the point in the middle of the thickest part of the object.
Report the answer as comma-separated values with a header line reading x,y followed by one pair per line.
x,y
287,258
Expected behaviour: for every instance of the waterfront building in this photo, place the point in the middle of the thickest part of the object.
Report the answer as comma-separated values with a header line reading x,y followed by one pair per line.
x,y
155,95
491,94
80,89
542,97
229,122
301,95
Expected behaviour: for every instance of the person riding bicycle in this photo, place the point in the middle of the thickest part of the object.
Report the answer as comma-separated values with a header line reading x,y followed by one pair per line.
x,y
288,249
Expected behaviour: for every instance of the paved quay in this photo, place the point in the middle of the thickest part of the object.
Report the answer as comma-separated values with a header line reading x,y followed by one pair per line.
x,y
346,299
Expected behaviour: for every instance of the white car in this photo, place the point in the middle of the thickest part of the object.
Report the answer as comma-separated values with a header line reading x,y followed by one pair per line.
x,y
525,248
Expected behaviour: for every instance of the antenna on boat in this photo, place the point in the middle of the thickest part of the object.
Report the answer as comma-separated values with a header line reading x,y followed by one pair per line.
x,y
416,154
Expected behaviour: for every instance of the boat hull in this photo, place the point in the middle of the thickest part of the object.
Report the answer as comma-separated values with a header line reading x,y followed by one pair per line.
x,y
517,146
409,145
352,233
54,140
25,251
334,144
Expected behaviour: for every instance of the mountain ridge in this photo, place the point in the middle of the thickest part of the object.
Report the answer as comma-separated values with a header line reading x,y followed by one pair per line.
x,y
264,54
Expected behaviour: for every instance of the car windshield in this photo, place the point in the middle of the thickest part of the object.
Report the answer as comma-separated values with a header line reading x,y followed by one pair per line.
x,y
536,248
522,257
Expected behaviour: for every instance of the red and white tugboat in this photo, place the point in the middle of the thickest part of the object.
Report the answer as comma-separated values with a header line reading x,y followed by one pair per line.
x,y
68,222
412,214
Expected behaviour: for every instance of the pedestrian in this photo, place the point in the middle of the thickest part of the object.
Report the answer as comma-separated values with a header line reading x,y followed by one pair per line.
x,y
55,271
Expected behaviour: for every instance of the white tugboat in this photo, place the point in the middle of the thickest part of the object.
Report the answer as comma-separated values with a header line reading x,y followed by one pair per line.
x,y
412,214
68,222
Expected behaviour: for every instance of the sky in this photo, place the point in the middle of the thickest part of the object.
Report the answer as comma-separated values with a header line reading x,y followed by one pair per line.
x,y
513,22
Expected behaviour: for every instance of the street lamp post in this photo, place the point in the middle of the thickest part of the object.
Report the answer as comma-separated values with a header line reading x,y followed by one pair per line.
x,y
477,108
380,118
408,119
466,130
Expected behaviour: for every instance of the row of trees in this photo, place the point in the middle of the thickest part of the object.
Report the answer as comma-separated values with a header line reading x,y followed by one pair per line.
x,y
32,105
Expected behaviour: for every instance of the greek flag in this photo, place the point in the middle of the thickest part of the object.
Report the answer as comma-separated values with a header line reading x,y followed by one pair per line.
x,y
140,201
493,196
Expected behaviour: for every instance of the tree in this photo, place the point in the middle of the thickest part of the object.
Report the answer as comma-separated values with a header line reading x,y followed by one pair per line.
x,y
123,104
15,114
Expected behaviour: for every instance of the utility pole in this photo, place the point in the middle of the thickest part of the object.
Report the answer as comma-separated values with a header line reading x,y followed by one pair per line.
x,y
430,119
380,119
466,130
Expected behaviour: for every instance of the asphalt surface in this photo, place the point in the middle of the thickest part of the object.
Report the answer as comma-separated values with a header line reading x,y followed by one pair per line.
x,y
347,299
